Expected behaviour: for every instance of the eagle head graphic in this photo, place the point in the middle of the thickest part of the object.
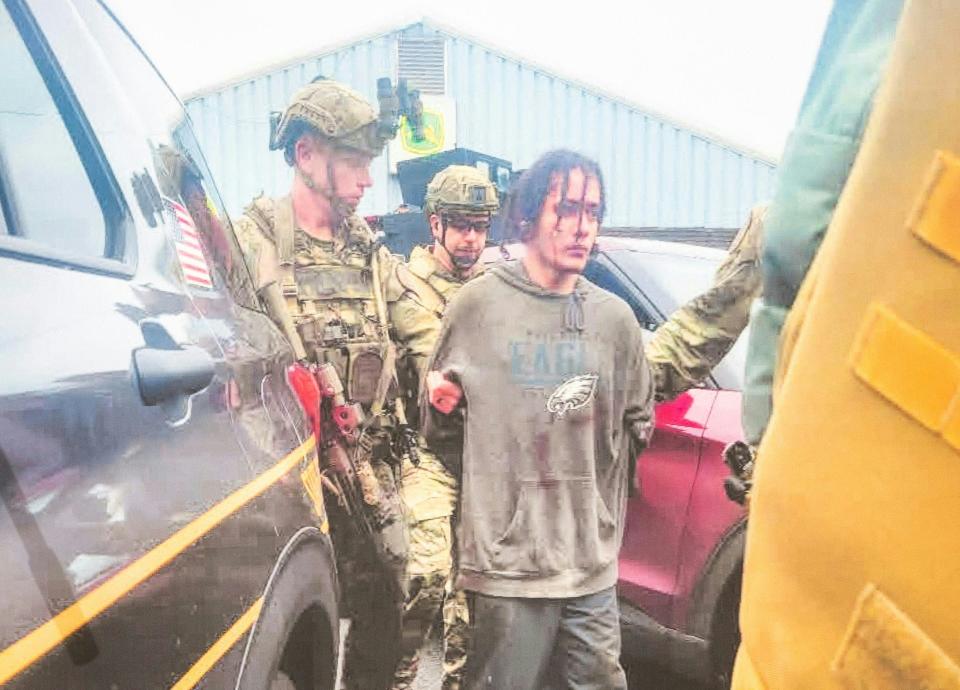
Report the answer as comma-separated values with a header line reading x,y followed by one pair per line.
x,y
572,394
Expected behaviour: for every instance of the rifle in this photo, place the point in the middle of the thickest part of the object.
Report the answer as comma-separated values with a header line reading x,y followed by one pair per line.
x,y
336,425
345,458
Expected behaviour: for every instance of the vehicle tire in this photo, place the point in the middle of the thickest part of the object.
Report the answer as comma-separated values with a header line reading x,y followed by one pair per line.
x,y
295,641
725,638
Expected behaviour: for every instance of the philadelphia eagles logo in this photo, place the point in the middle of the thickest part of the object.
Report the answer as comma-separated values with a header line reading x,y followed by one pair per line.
x,y
572,394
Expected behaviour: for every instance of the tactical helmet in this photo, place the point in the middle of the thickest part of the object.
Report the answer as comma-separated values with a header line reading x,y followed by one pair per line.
x,y
338,113
460,188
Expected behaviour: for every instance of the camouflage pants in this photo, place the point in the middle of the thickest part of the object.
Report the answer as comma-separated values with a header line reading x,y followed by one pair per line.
x,y
430,493
456,637
372,587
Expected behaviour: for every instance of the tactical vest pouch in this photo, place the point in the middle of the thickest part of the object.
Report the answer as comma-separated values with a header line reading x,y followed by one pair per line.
x,y
325,330
343,359
332,282
358,365
365,366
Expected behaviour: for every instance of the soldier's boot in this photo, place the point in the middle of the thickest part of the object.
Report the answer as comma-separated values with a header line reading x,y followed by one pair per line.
x,y
423,605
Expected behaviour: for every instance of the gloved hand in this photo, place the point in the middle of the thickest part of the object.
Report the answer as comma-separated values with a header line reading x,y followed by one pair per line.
x,y
740,458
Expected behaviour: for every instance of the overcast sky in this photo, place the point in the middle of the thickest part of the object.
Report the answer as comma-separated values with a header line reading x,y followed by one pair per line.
x,y
734,68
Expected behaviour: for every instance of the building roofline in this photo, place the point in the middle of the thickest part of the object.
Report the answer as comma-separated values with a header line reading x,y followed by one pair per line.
x,y
296,60
452,32
599,92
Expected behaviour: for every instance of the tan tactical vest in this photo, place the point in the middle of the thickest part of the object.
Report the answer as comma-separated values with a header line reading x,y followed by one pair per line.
x,y
442,285
852,572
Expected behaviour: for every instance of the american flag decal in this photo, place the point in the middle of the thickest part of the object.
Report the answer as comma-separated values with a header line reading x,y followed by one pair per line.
x,y
196,270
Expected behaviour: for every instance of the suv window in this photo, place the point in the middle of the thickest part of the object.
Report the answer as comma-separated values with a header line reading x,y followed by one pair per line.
x,y
189,181
600,274
48,177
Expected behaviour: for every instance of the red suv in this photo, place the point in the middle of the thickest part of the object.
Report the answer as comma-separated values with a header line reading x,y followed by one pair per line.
x,y
682,553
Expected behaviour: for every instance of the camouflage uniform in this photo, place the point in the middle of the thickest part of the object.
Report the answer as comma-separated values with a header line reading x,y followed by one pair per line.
x,y
429,491
701,332
328,289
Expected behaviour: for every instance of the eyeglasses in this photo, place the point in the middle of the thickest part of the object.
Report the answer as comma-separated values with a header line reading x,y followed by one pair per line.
x,y
572,209
461,224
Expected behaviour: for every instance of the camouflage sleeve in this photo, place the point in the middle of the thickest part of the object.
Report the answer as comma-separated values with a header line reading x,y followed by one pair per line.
x,y
444,433
415,326
638,417
699,334
258,249
417,331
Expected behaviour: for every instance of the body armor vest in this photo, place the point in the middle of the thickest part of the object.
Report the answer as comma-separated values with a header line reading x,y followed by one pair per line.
x,y
441,284
328,288
850,577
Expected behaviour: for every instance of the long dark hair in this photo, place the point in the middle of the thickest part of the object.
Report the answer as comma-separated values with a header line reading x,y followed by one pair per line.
x,y
531,190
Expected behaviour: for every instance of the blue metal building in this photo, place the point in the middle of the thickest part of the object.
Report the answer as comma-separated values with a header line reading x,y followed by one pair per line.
x,y
658,173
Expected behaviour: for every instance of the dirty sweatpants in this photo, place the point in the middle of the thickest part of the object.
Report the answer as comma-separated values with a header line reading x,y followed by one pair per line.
x,y
519,644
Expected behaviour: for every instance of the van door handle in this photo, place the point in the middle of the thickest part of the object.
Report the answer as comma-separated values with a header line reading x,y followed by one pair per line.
x,y
165,374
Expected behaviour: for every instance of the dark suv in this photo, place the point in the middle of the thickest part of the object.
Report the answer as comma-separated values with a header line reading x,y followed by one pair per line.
x,y
162,522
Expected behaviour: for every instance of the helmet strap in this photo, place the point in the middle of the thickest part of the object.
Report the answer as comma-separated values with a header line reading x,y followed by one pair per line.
x,y
460,264
443,232
329,192
340,208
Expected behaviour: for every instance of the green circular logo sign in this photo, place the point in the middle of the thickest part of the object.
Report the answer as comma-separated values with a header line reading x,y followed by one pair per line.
x,y
433,135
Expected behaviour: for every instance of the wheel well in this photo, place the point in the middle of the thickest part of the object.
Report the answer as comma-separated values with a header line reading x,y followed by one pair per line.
x,y
725,627
723,566
310,632
298,628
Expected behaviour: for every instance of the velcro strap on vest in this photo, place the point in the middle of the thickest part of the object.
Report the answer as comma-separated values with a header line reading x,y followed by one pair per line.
x,y
883,648
935,218
284,228
910,369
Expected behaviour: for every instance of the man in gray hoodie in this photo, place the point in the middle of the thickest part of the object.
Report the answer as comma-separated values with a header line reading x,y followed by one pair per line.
x,y
540,397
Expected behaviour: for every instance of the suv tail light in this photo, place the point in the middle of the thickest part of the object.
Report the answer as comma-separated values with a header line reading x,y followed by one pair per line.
x,y
305,385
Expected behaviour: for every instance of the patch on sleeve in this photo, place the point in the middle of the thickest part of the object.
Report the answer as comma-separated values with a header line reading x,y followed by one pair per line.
x,y
573,394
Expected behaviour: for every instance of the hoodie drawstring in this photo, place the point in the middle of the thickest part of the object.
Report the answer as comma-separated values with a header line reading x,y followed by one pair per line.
x,y
573,316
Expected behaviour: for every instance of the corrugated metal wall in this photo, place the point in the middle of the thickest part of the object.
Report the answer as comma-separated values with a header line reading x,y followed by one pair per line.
x,y
657,174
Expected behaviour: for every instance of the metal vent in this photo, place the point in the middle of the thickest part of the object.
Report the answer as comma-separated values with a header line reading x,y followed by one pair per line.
x,y
421,63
